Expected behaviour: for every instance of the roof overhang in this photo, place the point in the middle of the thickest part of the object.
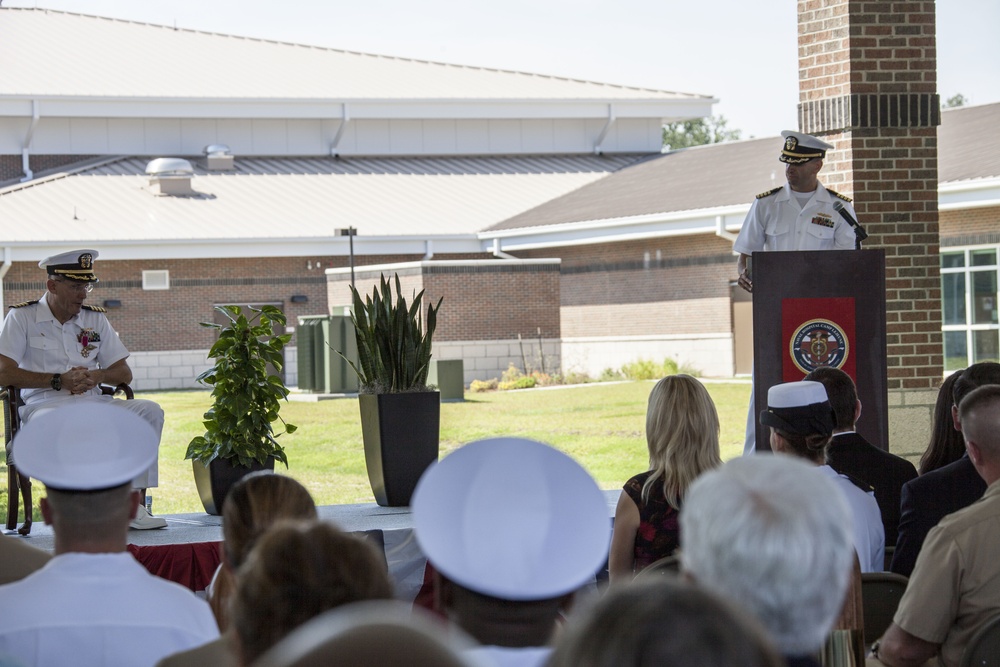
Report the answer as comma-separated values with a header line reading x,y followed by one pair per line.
x,y
960,195
355,109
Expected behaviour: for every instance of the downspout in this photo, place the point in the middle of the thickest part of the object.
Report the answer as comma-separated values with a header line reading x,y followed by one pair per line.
x,y
429,252
598,150
344,117
3,271
497,252
720,229
25,154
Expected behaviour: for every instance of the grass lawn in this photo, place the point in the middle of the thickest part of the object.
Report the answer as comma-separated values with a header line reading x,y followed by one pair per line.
x,y
601,425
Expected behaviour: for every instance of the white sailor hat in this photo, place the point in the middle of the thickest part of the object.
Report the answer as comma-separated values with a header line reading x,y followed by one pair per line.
x,y
801,408
86,446
74,265
801,148
513,519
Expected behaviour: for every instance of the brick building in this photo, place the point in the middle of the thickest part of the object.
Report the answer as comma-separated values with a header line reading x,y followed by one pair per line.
x,y
540,208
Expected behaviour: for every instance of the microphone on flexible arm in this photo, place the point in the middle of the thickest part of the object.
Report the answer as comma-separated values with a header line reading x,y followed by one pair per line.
x,y
859,232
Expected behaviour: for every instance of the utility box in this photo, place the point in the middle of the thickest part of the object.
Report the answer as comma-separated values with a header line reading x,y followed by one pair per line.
x,y
321,369
447,374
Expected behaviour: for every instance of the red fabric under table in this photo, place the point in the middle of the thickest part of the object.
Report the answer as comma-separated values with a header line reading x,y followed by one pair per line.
x,y
190,565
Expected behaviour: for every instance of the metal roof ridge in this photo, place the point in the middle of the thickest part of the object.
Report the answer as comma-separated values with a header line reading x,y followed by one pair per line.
x,y
356,53
61,173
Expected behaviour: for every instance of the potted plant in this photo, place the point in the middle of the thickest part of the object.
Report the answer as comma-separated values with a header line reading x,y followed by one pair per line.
x,y
400,414
239,427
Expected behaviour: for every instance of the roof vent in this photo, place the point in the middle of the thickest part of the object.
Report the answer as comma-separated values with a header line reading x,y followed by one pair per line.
x,y
218,157
172,174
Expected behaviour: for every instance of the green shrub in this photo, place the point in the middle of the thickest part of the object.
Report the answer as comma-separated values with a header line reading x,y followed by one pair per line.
x,y
643,369
511,374
610,375
576,378
523,382
483,385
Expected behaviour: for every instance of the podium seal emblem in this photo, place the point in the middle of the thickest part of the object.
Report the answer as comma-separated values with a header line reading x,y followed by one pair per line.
x,y
818,343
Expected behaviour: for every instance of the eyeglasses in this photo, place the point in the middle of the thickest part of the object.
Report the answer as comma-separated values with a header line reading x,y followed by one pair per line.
x,y
79,287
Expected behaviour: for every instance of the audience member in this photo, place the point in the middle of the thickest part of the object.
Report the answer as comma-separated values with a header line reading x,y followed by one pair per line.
x,y
801,421
253,505
60,351
850,454
664,623
946,444
682,434
374,633
18,559
926,500
955,586
93,604
772,534
513,528
296,571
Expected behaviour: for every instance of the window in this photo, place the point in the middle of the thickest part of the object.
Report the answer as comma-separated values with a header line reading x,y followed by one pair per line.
x,y
969,281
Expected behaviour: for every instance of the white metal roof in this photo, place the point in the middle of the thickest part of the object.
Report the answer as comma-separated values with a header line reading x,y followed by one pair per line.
x,y
55,56
278,207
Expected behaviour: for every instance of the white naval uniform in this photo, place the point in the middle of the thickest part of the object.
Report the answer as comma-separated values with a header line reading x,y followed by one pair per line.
x,y
34,338
100,610
777,222
868,532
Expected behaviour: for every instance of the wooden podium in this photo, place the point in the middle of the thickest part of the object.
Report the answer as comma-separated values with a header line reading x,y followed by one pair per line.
x,y
822,308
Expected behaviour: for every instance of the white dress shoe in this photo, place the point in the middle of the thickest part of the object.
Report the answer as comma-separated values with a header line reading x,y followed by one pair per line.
x,y
145,521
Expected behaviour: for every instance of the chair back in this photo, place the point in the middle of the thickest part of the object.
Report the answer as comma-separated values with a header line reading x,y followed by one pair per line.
x,y
880,596
668,566
370,634
983,650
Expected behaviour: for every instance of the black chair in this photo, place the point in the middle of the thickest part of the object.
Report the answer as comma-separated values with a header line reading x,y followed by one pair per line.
x,y
880,596
983,650
18,485
668,566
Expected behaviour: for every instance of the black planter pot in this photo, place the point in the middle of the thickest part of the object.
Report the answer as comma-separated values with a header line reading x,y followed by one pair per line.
x,y
401,433
214,481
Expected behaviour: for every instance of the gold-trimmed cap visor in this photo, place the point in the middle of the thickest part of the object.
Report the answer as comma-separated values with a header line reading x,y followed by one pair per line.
x,y
77,265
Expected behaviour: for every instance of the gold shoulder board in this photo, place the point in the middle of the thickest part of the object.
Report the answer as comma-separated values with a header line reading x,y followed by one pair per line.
x,y
768,193
838,195
24,303
96,309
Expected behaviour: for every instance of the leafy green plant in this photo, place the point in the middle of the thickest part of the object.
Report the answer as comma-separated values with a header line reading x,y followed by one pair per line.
x,y
245,398
477,386
394,348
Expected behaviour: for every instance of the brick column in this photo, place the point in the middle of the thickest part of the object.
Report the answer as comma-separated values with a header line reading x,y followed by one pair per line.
x,y
868,85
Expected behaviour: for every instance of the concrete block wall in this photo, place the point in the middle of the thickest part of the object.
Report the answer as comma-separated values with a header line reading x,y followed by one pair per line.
x,y
709,354
488,359
169,370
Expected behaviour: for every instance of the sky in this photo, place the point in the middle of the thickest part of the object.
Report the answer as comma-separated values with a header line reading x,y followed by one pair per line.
x,y
742,53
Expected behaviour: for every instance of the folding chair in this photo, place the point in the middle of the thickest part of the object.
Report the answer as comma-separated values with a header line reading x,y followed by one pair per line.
x,y
983,650
18,485
880,596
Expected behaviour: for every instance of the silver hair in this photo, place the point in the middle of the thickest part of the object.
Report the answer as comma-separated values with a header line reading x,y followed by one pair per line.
x,y
773,535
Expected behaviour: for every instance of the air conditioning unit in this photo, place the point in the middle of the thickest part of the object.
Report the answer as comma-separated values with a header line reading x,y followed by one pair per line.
x,y
156,280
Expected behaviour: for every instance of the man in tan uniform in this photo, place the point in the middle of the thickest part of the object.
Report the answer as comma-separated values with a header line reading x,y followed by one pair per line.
x,y
18,560
955,586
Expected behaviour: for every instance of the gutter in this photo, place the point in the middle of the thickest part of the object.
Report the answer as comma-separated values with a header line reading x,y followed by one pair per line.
x,y
497,252
429,253
345,116
25,150
720,229
604,131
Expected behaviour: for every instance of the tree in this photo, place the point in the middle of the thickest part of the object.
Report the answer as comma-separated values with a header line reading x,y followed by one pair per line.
x,y
698,132
956,100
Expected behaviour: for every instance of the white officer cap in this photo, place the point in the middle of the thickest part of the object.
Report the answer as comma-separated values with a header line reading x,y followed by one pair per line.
x,y
801,148
513,519
799,407
73,265
85,446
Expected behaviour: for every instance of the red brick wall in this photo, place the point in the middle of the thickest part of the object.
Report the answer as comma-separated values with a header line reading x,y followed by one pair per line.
x,y
868,82
612,288
971,226
11,169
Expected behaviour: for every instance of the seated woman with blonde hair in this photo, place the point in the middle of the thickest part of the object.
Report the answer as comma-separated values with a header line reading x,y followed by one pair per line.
x,y
682,434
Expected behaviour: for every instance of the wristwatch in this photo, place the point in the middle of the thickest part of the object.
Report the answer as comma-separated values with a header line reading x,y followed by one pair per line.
x,y
874,649
56,382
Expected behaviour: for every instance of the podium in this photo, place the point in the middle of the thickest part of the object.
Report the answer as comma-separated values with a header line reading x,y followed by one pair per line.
x,y
822,308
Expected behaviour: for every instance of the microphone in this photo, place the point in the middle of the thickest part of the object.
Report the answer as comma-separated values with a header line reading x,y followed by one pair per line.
x,y
859,232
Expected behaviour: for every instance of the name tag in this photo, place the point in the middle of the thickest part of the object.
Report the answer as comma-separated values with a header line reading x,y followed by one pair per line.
x,y
823,220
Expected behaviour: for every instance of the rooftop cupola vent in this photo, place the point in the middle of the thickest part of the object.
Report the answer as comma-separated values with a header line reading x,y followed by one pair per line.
x,y
172,175
218,157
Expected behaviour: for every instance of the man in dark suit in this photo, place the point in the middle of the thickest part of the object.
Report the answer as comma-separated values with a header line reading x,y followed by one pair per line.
x,y
929,498
850,454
